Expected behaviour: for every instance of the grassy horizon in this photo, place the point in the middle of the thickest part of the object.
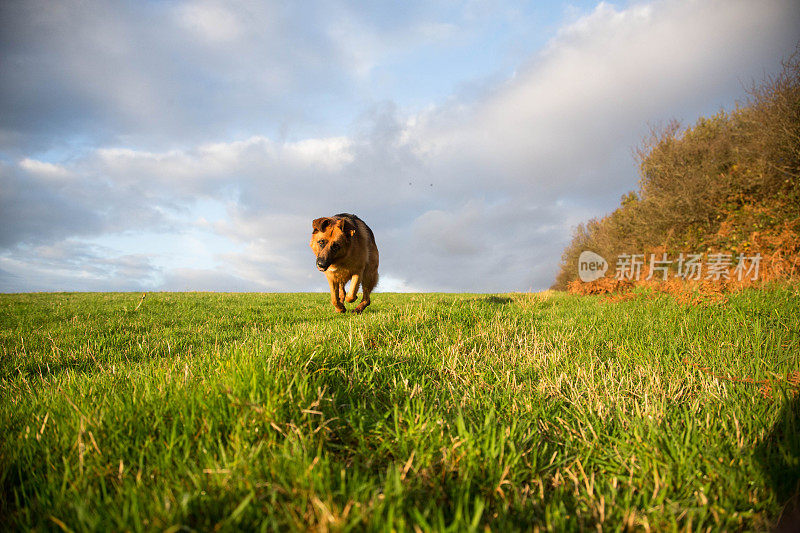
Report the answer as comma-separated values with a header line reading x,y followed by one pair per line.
x,y
438,411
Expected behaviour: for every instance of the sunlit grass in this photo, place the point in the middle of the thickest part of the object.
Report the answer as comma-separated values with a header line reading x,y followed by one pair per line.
x,y
437,411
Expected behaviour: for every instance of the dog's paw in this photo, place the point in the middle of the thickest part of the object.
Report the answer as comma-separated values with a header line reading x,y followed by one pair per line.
x,y
340,309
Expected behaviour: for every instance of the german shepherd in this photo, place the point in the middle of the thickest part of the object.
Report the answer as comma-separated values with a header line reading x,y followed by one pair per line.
x,y
346,252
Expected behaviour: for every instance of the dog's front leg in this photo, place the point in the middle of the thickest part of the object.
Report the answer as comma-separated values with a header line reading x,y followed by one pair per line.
x,y
355,281
335,288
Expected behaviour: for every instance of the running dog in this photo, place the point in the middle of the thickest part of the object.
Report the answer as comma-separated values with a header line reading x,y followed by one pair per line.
x,y
346,252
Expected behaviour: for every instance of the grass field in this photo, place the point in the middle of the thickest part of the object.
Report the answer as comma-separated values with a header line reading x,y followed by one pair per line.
x,y
202,411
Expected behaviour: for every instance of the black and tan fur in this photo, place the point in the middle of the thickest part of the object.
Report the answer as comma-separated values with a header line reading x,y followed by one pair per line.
x,y
346,252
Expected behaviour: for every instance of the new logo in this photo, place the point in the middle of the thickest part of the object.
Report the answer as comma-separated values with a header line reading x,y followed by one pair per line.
x,y
591,266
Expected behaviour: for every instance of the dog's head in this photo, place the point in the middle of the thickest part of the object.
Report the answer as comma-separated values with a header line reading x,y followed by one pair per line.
x,y
330,240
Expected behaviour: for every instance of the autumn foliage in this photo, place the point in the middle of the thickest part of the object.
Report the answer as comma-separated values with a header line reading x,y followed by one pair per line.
x,y
728,184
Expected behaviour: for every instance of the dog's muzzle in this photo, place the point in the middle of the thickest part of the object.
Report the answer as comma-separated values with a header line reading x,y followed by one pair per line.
x,y
322,265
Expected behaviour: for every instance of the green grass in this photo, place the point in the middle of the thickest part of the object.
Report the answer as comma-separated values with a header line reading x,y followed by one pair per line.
x,y
436,411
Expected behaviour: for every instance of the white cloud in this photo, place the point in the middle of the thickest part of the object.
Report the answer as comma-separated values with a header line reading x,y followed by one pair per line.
x,y
44,170
74,265
588,96
195,279
389,283
211,21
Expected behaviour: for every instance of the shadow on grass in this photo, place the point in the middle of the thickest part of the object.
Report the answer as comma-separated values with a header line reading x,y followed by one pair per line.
x,y
779,456
493,300
500,300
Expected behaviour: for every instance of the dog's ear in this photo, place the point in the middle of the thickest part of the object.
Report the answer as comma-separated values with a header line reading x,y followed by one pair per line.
x,y
320,224
346,226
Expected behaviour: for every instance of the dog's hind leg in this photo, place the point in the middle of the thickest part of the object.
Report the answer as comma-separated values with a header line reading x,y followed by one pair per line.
x,y
352,294
368,282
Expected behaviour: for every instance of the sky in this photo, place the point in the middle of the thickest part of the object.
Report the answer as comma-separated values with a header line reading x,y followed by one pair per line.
x,y
187,145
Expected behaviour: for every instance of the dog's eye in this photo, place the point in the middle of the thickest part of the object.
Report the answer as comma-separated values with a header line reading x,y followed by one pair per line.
x,y
321,243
